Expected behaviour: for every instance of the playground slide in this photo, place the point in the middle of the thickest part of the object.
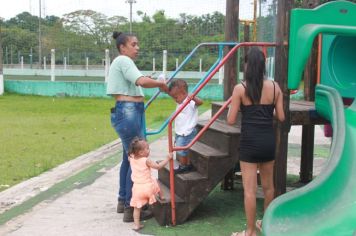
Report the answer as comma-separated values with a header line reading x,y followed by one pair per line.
x,y
327,205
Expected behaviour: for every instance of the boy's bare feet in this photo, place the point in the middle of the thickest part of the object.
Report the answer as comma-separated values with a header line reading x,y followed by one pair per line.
x,y
161,197
137,228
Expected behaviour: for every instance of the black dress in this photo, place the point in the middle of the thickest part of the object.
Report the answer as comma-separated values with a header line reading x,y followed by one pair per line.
x,y
257,140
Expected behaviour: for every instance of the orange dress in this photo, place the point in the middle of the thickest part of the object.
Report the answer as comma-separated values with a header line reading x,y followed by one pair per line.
x,y
145,187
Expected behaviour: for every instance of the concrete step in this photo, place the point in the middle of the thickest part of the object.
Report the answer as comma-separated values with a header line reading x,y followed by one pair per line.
x,y
215,106
204,158
219,135
162,208
183,182
165,190
222,127
212,156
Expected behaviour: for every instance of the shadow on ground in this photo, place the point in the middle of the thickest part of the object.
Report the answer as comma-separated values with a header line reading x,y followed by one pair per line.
x,y
220,214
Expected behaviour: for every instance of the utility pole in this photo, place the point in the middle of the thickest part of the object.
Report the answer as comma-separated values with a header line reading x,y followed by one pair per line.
x,y
130,2
39,38
1,65
255,20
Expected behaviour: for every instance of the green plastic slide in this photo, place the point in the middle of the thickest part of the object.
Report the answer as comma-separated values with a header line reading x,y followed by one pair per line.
x,y
332,18
327,205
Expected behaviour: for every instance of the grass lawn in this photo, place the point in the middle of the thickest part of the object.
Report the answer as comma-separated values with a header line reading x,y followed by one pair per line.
x,y
39,133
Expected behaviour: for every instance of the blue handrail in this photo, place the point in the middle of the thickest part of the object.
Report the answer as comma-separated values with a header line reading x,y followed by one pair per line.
x,y
186,60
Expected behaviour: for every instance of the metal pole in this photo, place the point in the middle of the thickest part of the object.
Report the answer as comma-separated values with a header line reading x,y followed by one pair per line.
x,y
107,64
254,20
53,64
11,55
130,17
130,2
68,56
164,66
39,38
154,64
221,75
1,65
31,58
6,55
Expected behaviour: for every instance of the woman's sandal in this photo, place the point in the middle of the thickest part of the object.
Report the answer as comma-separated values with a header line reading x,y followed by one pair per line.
x,y
243,233
259,225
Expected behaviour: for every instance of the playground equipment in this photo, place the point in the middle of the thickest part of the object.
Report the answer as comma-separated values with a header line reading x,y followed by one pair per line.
x,y
181,66
213,155
339,54
326,206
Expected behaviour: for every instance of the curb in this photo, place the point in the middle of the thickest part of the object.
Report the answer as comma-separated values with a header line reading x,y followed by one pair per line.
x,y
30,188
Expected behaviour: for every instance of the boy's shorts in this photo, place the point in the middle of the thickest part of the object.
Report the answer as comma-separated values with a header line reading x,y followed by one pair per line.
x,y
181,141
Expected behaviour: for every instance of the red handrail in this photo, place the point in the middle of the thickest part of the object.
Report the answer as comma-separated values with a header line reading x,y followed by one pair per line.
x,y
217,114
187,101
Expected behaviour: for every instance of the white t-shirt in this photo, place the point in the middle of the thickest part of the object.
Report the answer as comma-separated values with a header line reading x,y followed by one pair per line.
x,y
186,121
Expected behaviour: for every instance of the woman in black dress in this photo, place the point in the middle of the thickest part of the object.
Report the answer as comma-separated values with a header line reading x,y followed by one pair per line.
x,y
259,100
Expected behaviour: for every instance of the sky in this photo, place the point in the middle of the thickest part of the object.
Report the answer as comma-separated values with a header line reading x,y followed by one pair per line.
x,y
120,7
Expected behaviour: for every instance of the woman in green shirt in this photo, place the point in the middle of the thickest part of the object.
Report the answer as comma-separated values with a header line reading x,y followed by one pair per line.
x,y
125,84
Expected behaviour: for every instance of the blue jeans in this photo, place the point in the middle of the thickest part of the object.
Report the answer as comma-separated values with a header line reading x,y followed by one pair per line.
x,y
128,121
181,141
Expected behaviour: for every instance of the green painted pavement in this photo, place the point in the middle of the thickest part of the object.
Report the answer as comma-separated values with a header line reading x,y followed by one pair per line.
x,y
84,178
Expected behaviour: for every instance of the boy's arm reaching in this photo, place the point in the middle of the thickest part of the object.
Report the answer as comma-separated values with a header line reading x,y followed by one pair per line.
x,y
159,165
197,101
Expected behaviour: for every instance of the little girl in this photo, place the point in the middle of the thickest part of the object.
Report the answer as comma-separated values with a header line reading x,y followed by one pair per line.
x,y
145,187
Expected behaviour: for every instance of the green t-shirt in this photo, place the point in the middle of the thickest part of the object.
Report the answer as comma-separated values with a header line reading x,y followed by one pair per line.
x,y
123,75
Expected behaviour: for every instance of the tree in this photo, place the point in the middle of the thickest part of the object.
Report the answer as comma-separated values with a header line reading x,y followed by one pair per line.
x,y
91,23
86,33
24,20
21,40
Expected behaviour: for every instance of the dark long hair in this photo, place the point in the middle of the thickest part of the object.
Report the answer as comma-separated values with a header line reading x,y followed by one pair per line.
x,y
255,71
121,38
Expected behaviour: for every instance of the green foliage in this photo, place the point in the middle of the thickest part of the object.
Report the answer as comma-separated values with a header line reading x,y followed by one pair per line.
x,y
18,40
90,23
23,21
86,33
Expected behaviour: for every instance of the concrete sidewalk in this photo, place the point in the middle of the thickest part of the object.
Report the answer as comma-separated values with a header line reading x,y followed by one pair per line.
x,y
83,201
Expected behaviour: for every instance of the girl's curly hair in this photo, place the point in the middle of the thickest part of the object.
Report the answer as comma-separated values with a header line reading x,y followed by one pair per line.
x,y
136,145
